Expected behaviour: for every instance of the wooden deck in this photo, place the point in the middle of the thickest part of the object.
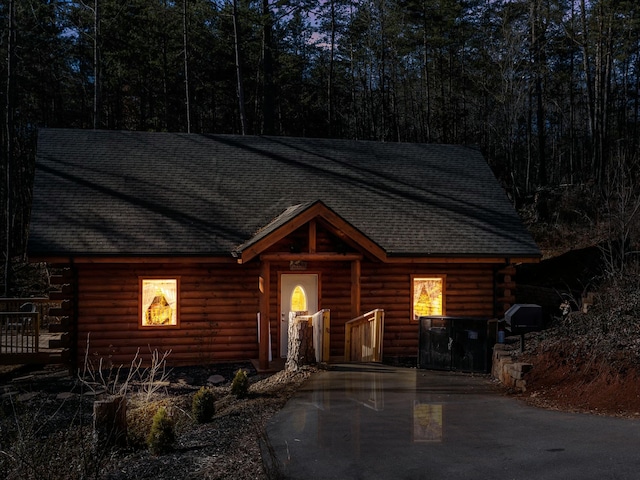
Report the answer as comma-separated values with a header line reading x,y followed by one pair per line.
x,y
23,338
20,349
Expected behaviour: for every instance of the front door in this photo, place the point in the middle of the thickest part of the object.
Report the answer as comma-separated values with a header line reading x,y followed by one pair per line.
x,y
298,294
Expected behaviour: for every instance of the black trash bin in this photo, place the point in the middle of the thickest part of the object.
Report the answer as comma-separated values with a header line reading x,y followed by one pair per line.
x,y
454,343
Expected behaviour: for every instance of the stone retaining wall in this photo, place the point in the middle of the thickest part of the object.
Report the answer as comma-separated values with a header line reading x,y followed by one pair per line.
x,y
507,369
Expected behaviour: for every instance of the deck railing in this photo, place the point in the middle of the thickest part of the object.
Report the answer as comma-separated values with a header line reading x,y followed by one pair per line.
x,y
363,337
19,332
20,324
41,304
30,333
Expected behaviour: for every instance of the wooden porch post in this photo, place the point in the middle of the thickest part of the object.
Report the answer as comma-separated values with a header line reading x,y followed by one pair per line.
x,y
264,284
355,288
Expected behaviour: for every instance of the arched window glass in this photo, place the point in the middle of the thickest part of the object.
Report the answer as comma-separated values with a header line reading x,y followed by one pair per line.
x,y
298,299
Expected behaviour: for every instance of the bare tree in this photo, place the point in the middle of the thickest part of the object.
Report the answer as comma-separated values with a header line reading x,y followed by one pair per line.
x,y
268,101
9,135
97,61
622,207
185,44
240,85
330,79
597,67
538,39
97,65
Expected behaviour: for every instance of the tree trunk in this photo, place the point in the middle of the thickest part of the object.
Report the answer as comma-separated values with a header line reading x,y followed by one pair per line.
x,y
268,107
110,421
589,82
300,350
240,85
538,39
186,64
426,134
165,68
9,135
331,67
97,74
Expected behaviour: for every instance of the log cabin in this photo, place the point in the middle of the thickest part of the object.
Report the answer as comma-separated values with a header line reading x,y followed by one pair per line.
x,y
203,244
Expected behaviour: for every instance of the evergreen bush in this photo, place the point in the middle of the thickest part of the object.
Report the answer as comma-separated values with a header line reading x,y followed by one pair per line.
x,y
240,384
203,406
162,435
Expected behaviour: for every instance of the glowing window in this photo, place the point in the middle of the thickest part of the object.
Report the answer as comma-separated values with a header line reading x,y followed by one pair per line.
x,y
428,297
298,300
159,302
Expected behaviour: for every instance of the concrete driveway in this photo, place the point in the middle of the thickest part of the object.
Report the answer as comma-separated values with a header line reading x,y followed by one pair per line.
x,y
381,422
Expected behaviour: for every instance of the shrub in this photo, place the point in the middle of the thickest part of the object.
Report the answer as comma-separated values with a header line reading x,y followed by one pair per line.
x,y
140,416
240,384
203,405
162,435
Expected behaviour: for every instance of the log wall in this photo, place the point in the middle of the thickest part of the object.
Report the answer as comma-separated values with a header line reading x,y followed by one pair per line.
x,y
218,304
469,291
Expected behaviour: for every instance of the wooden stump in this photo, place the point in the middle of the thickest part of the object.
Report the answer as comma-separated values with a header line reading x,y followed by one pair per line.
x,y
110,421
301,350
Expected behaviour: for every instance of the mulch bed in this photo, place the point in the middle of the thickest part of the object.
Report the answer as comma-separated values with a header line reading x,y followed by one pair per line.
x,y
46,426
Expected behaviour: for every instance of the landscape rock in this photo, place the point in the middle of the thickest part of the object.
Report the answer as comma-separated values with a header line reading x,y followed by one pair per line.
x,y
216,379
26,397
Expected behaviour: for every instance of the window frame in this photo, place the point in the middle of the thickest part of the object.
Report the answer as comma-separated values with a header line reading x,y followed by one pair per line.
x,y
141,302
427,276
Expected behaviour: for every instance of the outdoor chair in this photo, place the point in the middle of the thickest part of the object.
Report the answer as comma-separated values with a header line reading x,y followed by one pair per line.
x,y
27,322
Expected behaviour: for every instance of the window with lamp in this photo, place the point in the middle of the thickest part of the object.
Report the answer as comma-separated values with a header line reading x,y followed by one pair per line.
x,y
159,302
428,293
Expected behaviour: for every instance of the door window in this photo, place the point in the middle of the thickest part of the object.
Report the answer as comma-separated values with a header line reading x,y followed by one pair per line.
x,y
298,299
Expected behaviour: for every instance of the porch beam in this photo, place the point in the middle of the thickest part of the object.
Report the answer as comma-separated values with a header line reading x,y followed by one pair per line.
x,y
319,257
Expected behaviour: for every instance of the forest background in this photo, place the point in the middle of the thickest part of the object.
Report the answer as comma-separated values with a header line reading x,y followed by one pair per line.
x,y
549,89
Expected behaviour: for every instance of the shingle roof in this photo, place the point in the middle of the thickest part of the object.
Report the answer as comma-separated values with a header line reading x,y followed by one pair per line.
x,y
141,193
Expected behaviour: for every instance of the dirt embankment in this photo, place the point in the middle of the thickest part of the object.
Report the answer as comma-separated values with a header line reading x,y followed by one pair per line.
x,y
590,362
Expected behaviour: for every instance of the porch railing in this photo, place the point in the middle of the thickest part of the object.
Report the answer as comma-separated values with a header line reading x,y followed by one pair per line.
x,y
364,337
30,333
19,332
